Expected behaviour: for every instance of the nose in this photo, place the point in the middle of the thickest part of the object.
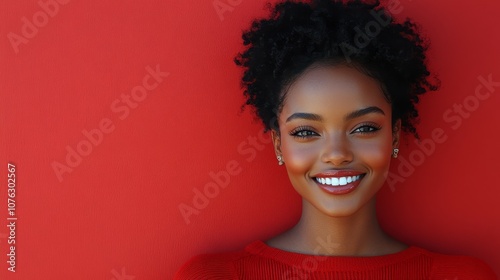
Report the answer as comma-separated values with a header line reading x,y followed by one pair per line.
x,y
337,150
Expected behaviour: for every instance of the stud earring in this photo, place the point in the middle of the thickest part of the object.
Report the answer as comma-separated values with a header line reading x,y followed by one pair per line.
x,y
395,152
280,160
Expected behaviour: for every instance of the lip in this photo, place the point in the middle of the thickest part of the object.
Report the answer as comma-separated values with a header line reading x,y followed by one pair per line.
x,y
338,173
339,190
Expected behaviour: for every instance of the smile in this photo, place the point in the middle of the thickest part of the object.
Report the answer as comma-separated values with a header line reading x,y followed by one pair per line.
x,y
338,181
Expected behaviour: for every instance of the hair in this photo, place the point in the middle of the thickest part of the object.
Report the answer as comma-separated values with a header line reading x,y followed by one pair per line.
x,y
298,35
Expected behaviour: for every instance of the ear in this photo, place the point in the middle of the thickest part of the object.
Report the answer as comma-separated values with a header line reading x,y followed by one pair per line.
x,y
275,135
396,134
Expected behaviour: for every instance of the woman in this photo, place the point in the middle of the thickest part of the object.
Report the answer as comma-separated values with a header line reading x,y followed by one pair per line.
x,y
336,83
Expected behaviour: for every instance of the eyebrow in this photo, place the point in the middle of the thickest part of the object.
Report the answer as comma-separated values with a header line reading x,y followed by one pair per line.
x,y
350,116
305,116
364,111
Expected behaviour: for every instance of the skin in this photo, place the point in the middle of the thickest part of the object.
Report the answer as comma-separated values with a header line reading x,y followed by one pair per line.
x,y
332,141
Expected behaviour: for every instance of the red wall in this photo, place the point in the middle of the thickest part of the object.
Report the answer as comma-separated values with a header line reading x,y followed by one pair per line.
x,y
114,213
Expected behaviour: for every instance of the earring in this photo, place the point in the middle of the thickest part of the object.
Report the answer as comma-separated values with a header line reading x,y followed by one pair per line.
x,y
280,160
395,152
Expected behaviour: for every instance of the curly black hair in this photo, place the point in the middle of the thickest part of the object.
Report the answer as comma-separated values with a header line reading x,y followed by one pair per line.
x,y
363,35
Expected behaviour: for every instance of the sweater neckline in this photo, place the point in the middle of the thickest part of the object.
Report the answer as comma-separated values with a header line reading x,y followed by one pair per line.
x,y
328,262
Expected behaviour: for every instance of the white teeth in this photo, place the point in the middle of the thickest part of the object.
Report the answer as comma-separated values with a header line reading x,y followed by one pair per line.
x,y
343,181
335,181
338,181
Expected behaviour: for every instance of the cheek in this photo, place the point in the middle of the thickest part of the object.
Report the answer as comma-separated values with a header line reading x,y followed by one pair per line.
x,y
375,154
299,158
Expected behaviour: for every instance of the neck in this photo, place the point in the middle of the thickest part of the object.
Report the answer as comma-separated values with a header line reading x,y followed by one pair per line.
x,y
356,235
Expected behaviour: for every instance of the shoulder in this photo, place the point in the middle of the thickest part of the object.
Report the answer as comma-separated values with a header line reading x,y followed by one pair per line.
x,y
209,266
460,267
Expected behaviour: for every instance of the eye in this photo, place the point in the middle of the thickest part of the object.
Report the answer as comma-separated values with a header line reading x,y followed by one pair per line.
x,y
367,128
303,132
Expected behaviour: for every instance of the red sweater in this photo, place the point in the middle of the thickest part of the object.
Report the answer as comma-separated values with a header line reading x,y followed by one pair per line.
x,y
259,261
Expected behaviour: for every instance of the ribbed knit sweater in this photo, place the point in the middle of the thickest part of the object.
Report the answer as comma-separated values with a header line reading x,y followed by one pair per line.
x,y
260,261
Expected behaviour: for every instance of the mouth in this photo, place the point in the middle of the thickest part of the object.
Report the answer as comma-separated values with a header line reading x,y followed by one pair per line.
x,y
341,182
338,181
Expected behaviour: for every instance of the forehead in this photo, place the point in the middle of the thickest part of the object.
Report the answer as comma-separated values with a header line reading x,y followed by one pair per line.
x,y
335,87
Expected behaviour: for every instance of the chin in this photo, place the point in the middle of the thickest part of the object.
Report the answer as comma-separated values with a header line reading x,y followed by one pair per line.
x,y
345,205
339,210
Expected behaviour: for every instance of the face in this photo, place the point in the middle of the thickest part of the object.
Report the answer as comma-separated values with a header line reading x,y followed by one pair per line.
x,y
336,138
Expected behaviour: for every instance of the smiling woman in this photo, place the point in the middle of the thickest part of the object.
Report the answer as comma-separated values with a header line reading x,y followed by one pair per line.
x,y
336,119
336,130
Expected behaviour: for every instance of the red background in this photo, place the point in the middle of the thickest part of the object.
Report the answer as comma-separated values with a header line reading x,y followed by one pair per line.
x,y
117,213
